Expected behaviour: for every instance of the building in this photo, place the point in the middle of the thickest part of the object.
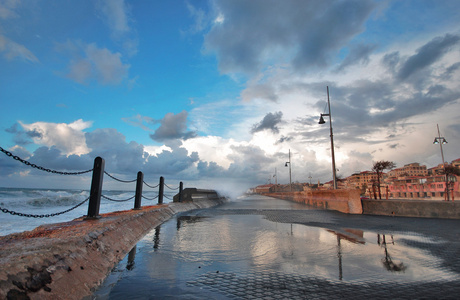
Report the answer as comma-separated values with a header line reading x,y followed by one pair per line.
x,y
362,180
266,188
413,169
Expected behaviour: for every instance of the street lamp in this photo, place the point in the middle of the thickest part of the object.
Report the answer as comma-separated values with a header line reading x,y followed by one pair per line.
x,y
442,141
321,121
286,164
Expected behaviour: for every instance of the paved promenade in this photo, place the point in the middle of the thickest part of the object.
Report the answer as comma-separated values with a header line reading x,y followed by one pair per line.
x,y
265,248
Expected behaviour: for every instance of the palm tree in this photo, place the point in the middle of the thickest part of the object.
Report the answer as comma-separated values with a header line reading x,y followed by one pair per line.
x,y
378,168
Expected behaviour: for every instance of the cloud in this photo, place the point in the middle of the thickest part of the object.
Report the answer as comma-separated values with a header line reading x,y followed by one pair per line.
x,y
117,16
427,55
259,91
12,50
22,137
173,127
303,34
88,62
7,9
358,54
140,121
68,138
270,122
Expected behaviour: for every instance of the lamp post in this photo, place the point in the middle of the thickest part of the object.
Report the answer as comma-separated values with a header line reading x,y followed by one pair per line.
x,y
321,121
441,140
286,164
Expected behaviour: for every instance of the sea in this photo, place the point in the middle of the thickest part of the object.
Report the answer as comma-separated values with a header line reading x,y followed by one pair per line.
x,y
51,201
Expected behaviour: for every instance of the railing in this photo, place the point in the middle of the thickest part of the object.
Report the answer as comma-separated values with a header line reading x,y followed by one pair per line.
x,y
96,189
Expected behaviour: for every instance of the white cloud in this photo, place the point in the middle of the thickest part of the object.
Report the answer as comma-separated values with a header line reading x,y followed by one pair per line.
x,y
69,138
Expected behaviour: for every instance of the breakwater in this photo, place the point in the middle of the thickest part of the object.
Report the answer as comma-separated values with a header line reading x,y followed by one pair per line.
x,y
346,201
68,260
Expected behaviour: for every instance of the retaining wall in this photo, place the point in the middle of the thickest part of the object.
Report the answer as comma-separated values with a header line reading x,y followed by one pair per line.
x,y
346,201
412,208
69,260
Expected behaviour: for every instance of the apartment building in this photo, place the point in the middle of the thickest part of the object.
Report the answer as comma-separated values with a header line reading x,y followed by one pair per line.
x,y
413,169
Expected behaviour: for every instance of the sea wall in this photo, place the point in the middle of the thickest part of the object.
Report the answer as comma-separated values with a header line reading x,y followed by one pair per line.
x,y
412,208
346,201
69,260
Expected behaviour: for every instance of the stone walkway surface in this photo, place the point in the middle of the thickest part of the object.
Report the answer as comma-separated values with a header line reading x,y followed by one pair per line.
x,y
264,248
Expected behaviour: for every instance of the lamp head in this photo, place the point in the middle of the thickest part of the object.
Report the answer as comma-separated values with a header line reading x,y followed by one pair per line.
x,y
285,164
435,141
321,120
444,141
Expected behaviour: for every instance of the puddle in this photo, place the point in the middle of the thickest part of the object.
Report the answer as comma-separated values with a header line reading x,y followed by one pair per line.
x,y
215,257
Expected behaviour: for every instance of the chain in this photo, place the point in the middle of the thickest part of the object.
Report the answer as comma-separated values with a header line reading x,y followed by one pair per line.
x,y
150,198
114,178
41,216
41,168
152,187
167,197
115,200
171,187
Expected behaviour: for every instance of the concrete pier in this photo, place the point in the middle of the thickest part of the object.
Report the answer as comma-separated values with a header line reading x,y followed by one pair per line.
x,y
68,260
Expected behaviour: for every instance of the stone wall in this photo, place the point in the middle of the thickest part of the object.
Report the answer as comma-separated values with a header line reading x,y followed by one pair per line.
x,y
413,208
69,260
346,201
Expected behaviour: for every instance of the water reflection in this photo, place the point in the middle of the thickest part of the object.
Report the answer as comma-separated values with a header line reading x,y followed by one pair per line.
x,y
171,259
156,238
354,236
387,261
131,259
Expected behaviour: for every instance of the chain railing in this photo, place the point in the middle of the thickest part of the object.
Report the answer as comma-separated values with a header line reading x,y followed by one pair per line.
x,y
39,167
96,188
41,216
119,180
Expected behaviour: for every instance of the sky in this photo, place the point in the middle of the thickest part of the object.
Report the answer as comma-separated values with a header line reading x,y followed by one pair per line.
x,y
217,93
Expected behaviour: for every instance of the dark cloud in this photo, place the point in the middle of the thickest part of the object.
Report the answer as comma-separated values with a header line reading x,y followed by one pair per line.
x,y
9,166
172,163
303,33
284,139
270,122
427,55
358,54
391,60
23,137
173,127
449,71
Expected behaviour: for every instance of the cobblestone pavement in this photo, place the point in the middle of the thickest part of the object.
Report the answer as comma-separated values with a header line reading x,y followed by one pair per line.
x,y
430,247
276,285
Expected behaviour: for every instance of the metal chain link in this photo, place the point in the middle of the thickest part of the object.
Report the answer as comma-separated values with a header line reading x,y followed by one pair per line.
x,y
150,198
114,178
152,187
39,167
171,187
41,216
167,197
115,200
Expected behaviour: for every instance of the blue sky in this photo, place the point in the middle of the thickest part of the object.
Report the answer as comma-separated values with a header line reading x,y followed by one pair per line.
x,y
215,93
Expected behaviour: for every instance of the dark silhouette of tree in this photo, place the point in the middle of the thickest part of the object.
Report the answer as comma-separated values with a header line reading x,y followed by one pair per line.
x,y
451,170
378,168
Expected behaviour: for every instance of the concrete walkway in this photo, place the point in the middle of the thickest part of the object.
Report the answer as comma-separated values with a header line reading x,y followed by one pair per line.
x,y
264,248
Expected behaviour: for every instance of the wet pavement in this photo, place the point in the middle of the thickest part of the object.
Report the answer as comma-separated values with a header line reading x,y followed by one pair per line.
x,y
264,248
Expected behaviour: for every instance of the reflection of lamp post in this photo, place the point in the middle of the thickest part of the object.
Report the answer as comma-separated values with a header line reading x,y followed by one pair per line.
x,y
441,140
321,121
286,164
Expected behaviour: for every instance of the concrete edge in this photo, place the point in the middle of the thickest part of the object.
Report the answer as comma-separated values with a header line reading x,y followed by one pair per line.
x,y
70,260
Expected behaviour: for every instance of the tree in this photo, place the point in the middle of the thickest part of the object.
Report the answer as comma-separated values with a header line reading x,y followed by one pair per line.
x,y
378,168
